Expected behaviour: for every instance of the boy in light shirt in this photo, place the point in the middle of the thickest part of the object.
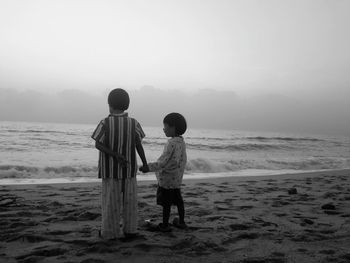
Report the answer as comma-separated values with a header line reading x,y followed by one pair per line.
x,y
169,169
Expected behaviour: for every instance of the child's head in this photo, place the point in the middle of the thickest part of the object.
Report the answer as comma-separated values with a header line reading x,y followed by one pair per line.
x,y
118,99
174,124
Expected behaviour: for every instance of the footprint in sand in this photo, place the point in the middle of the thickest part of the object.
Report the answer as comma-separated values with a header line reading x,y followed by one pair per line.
x,y
199,212
220,217
100,248
225,191
222,208
214,218
248,236
192,203
44,252
330,212
236,227
233,240
141,204
22,224
192,245
263,223
58,232
76,216
147,247
87,216
56,204
65,212
30,238
280,214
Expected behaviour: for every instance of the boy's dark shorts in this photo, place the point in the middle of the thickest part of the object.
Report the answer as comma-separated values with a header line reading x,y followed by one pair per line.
x,y
168,197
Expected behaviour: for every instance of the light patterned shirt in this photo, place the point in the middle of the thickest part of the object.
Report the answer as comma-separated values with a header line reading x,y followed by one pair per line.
x,y
119,133
170,166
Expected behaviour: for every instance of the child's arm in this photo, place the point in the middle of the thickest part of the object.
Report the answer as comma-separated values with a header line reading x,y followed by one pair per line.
x,y
99,136
121,159
141,153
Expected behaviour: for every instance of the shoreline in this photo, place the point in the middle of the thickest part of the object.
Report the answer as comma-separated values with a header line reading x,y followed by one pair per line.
x,y
230,219
219,176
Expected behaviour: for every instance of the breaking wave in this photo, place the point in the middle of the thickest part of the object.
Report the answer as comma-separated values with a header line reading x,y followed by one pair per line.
x,y
198,165
209,166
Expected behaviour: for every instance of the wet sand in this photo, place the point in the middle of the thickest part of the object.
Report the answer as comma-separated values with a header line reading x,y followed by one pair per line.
x,y
281,218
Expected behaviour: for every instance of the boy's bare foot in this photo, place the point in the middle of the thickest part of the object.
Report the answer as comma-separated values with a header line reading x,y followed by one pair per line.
x,y
164,228
176,223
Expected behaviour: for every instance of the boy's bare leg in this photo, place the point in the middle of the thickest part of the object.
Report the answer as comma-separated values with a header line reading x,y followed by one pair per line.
x,y
181,211
166,215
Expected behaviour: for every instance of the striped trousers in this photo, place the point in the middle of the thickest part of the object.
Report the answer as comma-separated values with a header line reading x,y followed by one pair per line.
x,y
119,210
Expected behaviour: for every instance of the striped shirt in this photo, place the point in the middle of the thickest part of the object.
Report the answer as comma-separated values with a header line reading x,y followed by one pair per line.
x,y
118,132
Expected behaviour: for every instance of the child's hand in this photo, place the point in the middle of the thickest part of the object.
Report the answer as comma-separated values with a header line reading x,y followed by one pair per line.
x,y
144,169
121,159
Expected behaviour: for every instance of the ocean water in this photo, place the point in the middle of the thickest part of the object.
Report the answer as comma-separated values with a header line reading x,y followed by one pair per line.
x,y
49,152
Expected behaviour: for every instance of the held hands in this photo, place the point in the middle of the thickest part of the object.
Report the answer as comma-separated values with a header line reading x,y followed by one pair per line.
x,y
144,169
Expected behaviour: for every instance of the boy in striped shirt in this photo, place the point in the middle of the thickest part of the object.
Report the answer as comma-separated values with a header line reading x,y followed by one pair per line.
x,y
118,137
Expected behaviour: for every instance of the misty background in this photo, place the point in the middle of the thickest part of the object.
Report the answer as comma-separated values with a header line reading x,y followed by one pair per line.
x,y
249,65
207,108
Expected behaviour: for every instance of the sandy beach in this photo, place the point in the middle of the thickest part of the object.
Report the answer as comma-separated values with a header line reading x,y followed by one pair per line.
x,y
282,218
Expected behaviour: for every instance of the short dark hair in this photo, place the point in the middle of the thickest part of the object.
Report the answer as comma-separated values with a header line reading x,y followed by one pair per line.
x,y
119,99
176,120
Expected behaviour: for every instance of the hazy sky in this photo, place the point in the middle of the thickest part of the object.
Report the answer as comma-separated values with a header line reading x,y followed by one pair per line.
x,y
237,45
270,53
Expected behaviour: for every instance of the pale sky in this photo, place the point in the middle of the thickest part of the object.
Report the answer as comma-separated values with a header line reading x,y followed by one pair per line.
x,y
251,46
271,64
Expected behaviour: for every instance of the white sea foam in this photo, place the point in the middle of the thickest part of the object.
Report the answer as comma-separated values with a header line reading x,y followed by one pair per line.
x,y
150,177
